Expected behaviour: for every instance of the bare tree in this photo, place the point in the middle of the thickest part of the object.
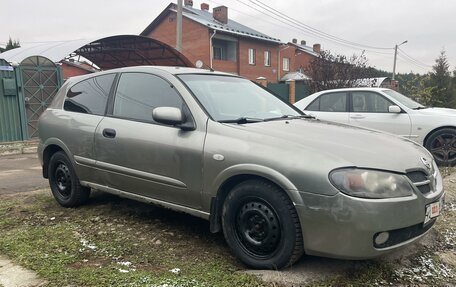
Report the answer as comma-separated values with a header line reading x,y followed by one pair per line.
x,y
332,71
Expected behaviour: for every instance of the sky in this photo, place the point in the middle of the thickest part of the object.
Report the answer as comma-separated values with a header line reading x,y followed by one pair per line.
x,y
372,26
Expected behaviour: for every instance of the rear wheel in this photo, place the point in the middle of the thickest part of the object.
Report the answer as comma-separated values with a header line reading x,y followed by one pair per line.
x,y
442,145
64,183
261,225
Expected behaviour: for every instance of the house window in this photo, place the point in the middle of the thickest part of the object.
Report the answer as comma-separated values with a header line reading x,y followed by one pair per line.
x,y
218,53
286,64
252,56
267,58
223,50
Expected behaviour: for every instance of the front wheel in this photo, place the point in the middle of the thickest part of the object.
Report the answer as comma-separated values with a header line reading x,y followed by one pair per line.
x,y
64,183
442,145
261,225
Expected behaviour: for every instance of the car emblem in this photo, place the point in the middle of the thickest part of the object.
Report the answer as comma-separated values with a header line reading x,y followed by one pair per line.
x,y
426,163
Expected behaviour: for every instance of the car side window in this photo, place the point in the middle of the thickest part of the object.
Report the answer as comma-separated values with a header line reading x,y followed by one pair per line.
x,y
139,93
89,96
330,102
369,102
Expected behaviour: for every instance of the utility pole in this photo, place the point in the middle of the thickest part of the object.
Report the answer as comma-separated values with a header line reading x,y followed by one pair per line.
x,y
395,58
179,26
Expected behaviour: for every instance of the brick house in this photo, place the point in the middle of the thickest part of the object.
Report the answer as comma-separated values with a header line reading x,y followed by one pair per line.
x,y
226,45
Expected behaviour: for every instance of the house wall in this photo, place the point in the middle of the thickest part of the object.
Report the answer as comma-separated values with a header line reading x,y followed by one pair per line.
x,y
195,37
71,71
259,69
297,58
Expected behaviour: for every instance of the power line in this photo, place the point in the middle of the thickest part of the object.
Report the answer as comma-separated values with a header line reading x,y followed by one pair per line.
x,y
407,60
317,31
413,59
303,29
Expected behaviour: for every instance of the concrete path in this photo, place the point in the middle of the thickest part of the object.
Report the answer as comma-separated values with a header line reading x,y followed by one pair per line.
x,y
21,172
12,275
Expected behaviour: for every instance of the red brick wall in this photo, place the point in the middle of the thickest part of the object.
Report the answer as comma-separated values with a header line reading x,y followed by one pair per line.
x,y
259,69
71,71
196,46
297,59
195,37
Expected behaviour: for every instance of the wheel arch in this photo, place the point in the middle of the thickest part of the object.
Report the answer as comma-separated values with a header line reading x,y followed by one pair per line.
x,y
435,130
233,176
50,148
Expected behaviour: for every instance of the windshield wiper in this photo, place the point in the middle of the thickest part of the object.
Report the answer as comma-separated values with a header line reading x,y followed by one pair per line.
x,y
289,117
242,120
420,108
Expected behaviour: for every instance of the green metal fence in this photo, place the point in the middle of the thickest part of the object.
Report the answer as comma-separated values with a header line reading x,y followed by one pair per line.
x,y
279,89
25,92
10,110
302,91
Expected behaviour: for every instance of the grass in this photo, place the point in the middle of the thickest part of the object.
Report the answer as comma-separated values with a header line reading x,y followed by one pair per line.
x,y
114,241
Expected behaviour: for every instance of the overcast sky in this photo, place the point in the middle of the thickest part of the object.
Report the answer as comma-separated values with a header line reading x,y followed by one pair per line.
x,y
429,26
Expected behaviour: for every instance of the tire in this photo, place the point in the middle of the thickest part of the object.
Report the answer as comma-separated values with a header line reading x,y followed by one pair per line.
x,y
64,183
442,145
261,225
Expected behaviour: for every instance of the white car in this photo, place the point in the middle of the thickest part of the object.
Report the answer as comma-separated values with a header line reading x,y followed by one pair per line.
x,y
390,111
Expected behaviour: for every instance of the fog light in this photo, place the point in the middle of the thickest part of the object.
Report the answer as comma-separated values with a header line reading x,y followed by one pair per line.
x,y
381,238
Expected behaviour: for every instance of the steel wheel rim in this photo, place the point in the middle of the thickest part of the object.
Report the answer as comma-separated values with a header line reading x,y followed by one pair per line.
x,y
62,178
258,228
443,147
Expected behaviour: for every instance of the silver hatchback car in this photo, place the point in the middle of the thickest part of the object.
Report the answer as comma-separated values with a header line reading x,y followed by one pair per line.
x,y
217,146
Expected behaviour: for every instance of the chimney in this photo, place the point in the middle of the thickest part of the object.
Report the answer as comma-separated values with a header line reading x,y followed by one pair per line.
x,y
204,6
220,14
316,48
188,3
303,43
294,40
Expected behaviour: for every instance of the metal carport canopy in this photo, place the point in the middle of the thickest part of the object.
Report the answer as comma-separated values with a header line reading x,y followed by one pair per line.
x,y
107,53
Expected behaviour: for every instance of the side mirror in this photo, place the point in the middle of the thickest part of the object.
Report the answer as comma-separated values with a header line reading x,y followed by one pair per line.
x,y
394,109
168,115
174,117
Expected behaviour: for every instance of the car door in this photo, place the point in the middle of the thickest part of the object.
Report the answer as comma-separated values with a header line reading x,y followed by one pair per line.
x,y
331,106
84,107
371,110
138,155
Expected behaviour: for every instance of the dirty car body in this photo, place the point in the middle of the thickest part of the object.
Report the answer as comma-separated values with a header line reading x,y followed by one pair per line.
x,y
217,146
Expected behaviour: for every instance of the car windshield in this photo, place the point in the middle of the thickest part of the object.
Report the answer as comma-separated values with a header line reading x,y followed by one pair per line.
x,y
228,98
406,101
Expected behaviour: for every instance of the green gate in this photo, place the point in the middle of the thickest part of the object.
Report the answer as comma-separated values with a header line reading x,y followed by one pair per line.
x,y
302,91
280,90
11,125
40,81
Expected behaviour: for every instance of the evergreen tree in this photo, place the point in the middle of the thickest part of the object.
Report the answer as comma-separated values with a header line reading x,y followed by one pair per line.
x,y
11,44
440,83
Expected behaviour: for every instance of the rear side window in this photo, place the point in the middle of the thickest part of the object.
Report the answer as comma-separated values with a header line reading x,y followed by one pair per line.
x,y
89,96
332,102
138,94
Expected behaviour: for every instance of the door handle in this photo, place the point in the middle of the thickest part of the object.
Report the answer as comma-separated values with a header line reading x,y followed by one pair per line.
x,y
357,117
109,133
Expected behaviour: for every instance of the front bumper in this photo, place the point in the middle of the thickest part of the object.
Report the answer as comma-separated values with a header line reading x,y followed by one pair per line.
x,y
342,226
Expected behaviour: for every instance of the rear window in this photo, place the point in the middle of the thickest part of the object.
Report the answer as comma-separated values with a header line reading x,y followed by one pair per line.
x,y
89,96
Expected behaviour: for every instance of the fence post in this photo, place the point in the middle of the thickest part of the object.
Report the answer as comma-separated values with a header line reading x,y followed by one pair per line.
x,y
291,91
262,81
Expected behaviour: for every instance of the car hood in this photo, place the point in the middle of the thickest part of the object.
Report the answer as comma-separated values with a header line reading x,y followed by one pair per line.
x,y
337,145
437,112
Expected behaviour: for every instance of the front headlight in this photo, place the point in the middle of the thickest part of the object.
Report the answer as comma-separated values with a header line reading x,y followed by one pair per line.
x,y
370,183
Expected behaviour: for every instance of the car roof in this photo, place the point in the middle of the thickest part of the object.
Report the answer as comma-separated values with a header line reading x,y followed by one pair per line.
x,y
145,69
354,89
